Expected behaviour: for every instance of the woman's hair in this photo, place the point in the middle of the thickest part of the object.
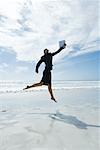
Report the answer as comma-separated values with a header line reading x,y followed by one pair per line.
x,y
46,50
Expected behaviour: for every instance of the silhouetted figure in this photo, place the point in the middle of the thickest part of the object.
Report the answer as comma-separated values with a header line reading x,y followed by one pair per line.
x,y
46,79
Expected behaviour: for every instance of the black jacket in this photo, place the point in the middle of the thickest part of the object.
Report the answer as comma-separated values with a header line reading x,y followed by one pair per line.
x,y
47,59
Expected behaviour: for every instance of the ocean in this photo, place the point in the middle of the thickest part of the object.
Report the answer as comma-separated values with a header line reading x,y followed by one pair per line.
x,y
17,86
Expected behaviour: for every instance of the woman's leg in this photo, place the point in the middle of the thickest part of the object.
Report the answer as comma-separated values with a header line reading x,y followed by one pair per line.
x,y
51,92
34,85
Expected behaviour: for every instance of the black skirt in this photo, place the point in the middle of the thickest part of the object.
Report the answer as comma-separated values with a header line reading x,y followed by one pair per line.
x,y
46,79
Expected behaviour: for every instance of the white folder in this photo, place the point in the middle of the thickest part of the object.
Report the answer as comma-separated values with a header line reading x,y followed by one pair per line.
x,y
61,43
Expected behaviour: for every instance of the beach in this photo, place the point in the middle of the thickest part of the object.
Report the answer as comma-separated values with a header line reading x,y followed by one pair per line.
x,y
49,45
30,120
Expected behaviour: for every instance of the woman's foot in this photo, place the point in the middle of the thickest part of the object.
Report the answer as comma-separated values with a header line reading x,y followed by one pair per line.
x,y
26,87
53,99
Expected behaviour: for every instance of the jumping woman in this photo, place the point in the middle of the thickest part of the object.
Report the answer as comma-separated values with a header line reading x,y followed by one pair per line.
x,y
46,79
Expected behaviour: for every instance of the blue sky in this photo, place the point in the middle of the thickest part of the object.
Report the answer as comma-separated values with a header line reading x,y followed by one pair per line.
x,y
29,26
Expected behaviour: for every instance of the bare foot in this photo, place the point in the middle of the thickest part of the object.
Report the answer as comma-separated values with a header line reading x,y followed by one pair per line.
x,y
53,99
26,87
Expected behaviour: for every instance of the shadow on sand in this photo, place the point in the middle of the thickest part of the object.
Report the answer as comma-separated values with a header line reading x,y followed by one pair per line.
x,y
68,119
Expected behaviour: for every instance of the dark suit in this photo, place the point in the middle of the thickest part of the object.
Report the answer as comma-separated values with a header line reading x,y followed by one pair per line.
x,y
47,59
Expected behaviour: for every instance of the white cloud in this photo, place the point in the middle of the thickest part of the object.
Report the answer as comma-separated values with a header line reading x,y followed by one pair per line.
x,y
3,67
32,25
20,69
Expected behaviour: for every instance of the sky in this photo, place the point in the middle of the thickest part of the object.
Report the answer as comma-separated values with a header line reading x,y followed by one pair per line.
x,y
27,27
